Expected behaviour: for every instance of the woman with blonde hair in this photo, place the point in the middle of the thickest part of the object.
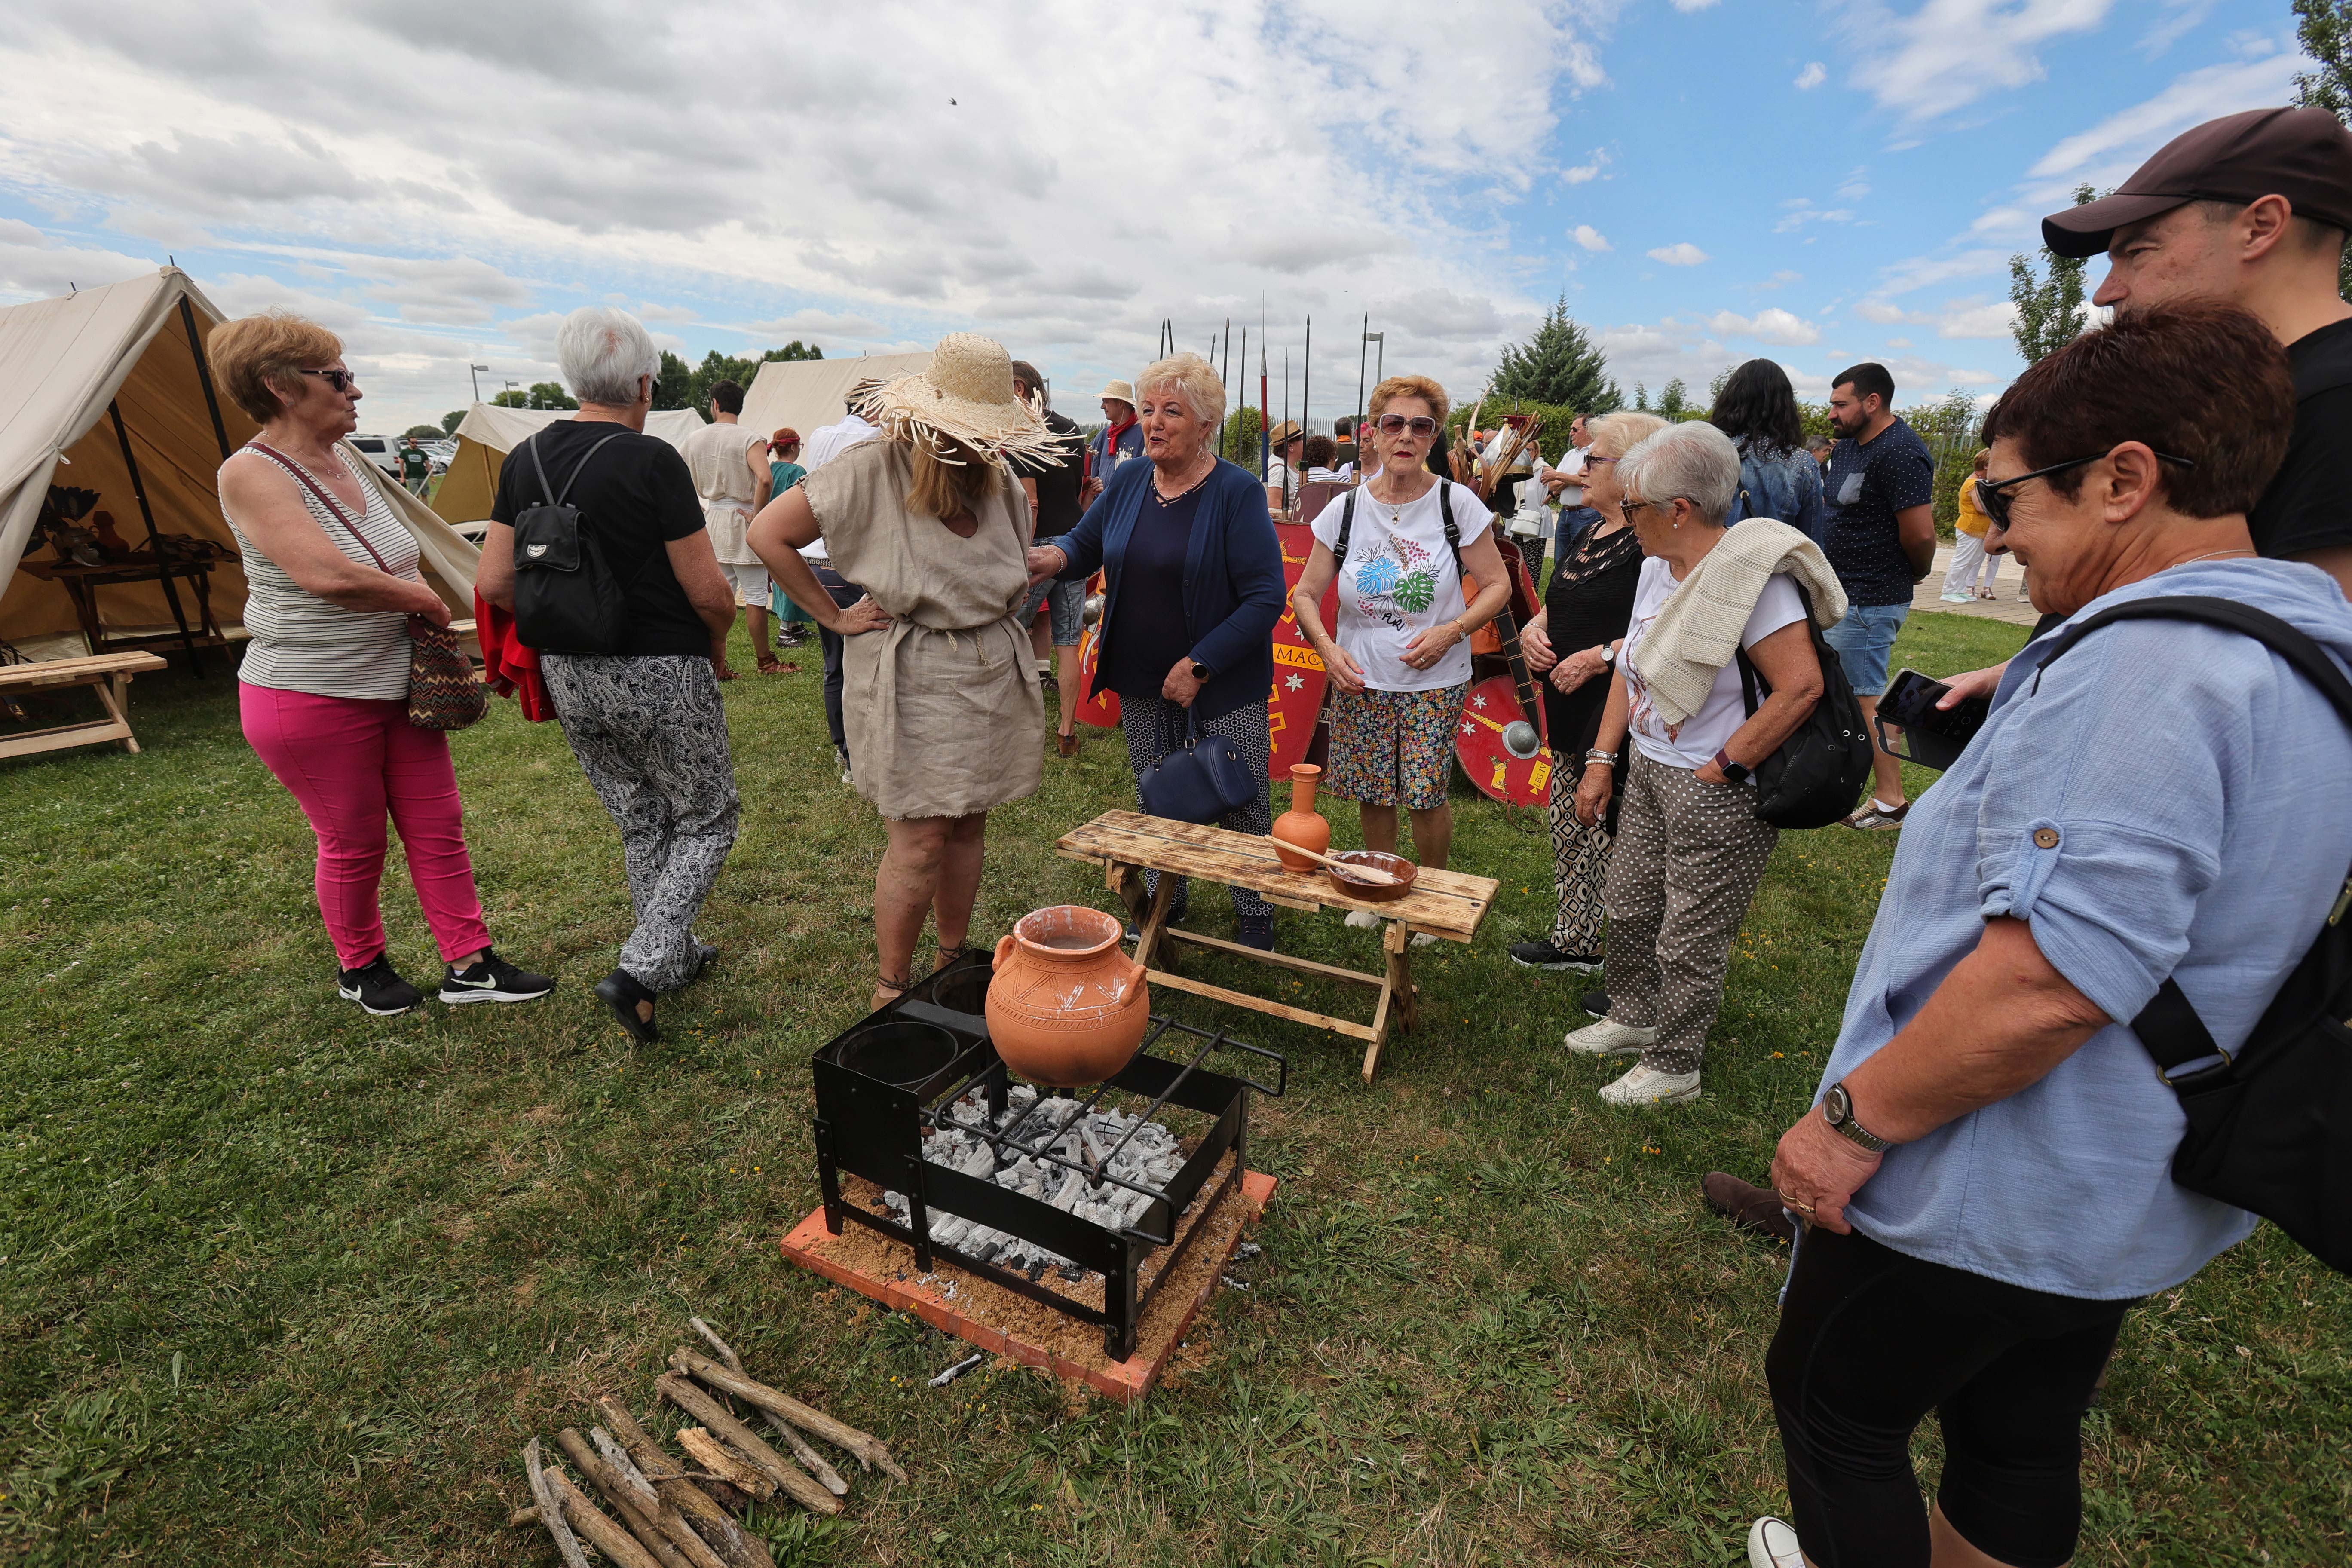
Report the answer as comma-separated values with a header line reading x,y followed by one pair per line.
x,y
943,711
1193,586
332,583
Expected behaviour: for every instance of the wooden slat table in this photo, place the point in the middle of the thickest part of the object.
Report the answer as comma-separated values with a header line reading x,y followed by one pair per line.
x,y
107,673
1127,842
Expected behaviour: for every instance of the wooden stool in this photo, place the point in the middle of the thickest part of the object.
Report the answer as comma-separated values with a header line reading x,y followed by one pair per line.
x,y
107,673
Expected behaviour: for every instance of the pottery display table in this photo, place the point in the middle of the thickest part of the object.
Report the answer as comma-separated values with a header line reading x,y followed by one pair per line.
x,y
1445,904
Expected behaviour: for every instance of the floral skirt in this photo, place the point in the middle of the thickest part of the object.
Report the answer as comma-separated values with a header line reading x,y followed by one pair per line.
x,y
1391,748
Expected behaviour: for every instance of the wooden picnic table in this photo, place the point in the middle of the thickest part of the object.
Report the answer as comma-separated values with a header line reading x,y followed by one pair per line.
x,y
109,674
1445,904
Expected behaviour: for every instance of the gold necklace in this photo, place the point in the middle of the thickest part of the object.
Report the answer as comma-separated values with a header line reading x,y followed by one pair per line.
x,y
2209,556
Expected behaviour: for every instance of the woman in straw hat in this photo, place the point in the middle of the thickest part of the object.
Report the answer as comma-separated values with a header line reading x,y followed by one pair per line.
x,y
943,711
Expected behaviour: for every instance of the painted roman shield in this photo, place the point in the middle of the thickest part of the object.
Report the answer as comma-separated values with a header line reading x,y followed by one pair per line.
x,y
1520,774
1099,709
1297,695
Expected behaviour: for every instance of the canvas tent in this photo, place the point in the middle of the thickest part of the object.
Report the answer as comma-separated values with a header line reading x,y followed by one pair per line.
x,y
113,377
488,433
806,392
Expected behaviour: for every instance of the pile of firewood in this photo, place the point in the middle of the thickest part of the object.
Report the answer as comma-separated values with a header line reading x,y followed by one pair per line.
x,y
675,1514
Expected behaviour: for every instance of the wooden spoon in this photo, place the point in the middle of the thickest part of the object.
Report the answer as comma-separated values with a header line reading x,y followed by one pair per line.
x,y
1356,869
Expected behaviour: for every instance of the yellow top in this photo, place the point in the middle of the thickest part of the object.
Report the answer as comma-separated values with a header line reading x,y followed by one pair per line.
x,y
1972,520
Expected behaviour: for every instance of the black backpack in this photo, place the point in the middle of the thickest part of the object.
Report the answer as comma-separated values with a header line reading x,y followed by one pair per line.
x,y
2270,1130
566,598
1812,780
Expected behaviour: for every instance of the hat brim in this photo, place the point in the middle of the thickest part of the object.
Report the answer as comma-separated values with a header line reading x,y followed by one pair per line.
x,y
910,406
2085,231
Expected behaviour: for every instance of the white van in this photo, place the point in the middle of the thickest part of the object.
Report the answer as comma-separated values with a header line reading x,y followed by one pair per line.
x,y
384,451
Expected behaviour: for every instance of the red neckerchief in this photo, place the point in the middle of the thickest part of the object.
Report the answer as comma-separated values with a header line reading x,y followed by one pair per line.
x,y
1111,434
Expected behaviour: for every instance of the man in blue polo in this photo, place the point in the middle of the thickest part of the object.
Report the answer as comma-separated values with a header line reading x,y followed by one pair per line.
x,y
1880,537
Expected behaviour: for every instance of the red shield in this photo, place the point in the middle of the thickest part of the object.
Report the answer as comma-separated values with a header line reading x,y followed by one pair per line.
x,y
1297,694
1099,709
1486,761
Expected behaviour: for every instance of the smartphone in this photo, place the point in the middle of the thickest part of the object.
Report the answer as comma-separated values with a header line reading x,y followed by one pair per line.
x,y
1932,737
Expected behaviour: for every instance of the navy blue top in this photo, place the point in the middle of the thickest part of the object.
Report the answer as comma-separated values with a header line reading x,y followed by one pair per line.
x,y
1867,483
1232,588
1154,617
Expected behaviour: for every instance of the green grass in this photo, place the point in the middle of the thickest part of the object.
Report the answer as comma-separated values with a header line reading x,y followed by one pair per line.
x,y
281,1283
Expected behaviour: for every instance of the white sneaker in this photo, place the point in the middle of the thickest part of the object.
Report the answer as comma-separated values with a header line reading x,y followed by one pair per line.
x,y
1772,1544
1648,1086
1362,920
1610,1038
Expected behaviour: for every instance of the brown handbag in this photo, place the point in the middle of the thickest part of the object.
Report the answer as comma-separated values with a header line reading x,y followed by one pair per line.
x,y
444,692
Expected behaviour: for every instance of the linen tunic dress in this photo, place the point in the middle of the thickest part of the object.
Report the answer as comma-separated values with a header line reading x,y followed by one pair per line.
x,y
941,707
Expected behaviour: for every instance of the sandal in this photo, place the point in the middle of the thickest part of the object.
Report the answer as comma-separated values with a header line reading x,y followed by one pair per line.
x,y
726,674
952,955
886,991
770,665
631,1002
1067,745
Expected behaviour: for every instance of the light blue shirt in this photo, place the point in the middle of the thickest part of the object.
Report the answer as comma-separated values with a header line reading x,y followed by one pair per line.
x,y
2169,800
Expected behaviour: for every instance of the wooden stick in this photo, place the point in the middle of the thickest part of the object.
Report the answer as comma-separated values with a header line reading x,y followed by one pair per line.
x,y
810,1460
714,1457
624,1502
711,1413
737,1545
608,1538
868,1449
550,1510
1355,870
523,1516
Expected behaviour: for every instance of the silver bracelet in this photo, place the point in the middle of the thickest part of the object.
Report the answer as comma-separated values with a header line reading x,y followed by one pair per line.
x,y
1597,755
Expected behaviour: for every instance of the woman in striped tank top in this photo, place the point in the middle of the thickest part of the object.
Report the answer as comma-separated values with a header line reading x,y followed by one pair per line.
x,y
331,579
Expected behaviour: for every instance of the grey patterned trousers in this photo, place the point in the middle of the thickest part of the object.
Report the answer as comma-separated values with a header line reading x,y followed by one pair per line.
x,y
1155,727
1687,860
1580,868
651,735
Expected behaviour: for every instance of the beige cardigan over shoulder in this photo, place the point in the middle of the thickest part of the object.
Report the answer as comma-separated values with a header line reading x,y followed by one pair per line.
x,y
1697,633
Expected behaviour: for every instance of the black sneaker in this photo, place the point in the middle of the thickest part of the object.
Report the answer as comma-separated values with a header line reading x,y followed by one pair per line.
x,y
493,979
1596,1003
631,1002
1176,912
1255,930
1544,955
376,987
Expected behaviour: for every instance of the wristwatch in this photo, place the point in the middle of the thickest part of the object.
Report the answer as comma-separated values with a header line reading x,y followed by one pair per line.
x,y
1837,1110
1608,653
1736,773
1200,672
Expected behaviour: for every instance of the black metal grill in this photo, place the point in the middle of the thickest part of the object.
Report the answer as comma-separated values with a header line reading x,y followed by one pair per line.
x,y
886,1085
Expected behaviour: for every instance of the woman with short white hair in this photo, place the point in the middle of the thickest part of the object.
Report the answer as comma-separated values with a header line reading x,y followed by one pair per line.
x,y
1690,848
1193,587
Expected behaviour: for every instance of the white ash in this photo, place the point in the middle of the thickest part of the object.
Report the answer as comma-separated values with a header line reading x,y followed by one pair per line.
x,y
1152,1158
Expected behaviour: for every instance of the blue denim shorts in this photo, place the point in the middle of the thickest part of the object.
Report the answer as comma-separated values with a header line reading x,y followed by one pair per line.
x,y
1864,639
1069,602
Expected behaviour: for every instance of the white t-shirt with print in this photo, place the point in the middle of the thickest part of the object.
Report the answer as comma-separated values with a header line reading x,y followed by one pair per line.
x,y
1398,579
1694,742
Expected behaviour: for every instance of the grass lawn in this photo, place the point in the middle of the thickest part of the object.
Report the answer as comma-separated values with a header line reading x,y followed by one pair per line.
x,y
283,1283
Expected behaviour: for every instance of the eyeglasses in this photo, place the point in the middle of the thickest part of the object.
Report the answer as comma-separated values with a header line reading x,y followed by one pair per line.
x,y
341,380
1421,425
1996,504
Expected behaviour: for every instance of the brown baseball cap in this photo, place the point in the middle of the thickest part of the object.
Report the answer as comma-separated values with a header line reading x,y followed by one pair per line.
x,y
2302,155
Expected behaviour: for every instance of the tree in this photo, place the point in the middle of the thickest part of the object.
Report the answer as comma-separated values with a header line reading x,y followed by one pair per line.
x,y
2324,27
2050,311
423,433
1674,401
511,399
451,420
1641,398
673,388
1559,364
549,395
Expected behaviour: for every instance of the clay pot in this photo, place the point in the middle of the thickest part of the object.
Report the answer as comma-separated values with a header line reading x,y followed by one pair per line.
x,y
1396,866
1302,824
1068,1007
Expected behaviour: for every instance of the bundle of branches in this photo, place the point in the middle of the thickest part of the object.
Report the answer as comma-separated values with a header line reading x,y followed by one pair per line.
x,y
673,1516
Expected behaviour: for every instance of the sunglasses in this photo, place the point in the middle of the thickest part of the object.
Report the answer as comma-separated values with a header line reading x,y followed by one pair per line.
x,y
1991,496
341,380
1421,425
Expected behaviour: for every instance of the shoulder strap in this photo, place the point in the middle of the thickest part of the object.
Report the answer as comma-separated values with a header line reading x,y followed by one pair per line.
x,y
554,498
304,478
1347,526
1453,531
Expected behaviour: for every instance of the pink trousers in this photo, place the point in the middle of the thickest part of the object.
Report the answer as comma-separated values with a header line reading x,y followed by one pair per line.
x,y
350,763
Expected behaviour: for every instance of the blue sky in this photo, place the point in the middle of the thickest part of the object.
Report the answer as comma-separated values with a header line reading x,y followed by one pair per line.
x,y
1818,181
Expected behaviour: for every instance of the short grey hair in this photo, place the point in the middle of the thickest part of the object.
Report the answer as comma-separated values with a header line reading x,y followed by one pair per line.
x,y
602,351
1193,381
1695,461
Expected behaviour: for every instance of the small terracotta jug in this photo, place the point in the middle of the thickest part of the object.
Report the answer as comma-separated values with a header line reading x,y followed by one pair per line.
x,y
1302,824
1068,1007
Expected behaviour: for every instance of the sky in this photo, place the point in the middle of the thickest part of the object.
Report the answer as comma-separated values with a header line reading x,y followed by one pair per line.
x,y
1817,182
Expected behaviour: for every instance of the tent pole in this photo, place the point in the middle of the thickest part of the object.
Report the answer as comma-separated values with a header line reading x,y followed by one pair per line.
x,y
205,376
154,540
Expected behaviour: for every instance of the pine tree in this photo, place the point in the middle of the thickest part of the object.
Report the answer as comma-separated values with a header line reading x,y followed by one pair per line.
x,y
1560,365
2324,27
1674,401
1641,398
2050,311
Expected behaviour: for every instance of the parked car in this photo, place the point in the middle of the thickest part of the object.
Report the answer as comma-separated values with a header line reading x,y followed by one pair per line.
x,y
384,451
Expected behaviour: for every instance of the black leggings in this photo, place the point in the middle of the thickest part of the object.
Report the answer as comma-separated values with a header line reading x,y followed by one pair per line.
x,y
1870,1341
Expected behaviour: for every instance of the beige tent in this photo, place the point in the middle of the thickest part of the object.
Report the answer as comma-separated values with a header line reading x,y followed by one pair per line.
x,y
806,392
108,390
488,433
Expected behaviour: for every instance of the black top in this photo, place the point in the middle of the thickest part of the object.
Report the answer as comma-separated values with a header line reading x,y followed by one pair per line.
x,y
2309,503
635,496
1057,483
1149,635
1867,483
1589,602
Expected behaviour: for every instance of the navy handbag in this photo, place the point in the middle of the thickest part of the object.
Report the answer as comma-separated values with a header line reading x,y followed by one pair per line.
x,y
1201,783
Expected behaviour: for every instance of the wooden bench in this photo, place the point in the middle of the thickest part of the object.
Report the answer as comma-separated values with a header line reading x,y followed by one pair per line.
x,y
109,674
1445,904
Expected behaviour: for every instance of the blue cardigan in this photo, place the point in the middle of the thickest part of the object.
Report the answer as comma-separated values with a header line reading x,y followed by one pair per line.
x,y
1232,576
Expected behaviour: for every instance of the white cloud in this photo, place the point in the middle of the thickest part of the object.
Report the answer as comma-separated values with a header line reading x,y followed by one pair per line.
x,y
1881,313
2109,151
1681,254
2185,16
1798,211
1692,5
1770,326
1950,53
1591,239
1898,342
1781,279
1589,170
1992,322
1812,76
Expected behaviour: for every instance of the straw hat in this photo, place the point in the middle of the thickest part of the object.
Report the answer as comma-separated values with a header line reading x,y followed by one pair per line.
x,y
967,396
1122,390
1284,433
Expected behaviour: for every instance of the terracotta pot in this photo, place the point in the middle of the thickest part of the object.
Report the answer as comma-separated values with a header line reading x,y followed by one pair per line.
x,y
1396,866
1068,1007
1302,824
